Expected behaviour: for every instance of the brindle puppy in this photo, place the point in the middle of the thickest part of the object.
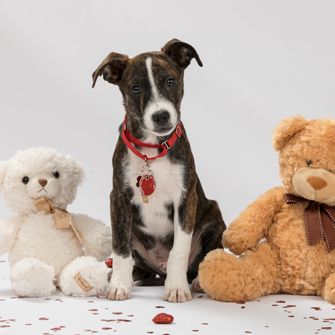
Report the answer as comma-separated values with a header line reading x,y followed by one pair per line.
x,y
169,236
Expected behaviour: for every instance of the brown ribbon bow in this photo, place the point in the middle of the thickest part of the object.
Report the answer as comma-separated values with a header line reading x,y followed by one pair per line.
x,y
319,220
62,218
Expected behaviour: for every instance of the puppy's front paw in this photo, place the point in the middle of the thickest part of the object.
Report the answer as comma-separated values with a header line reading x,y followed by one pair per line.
x,y
177,292
122,279
119,289
118,293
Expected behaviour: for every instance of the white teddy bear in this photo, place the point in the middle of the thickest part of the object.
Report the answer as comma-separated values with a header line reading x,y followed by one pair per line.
x,y
48,247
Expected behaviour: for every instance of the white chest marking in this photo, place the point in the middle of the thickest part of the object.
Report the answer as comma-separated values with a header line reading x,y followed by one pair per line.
x,y
169,189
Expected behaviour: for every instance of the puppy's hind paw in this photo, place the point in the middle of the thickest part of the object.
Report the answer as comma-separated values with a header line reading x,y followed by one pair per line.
x,y
195,286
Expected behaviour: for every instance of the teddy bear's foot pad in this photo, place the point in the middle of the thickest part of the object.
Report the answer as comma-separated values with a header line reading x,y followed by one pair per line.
x,y
329,289
32,278
85,276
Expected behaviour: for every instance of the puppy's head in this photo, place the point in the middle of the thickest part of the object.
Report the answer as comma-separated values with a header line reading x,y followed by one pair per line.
x,y
151,84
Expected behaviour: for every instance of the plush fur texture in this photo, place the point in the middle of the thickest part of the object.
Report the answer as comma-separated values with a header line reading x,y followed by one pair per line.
x,y
92,271
284,262
41,255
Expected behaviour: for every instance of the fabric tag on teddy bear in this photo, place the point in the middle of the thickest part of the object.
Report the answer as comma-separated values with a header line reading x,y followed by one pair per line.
x,y
83,283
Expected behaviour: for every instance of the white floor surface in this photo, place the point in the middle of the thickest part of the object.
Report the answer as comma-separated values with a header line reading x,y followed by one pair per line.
x,y
277,314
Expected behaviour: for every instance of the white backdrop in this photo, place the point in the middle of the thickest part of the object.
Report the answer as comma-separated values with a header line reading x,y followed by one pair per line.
x,y
263,60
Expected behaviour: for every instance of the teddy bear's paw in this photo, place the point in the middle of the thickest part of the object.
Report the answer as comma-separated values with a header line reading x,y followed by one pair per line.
x,y
7,235
235,241
84,276
97,237
32,278
329,289
221,275
177,290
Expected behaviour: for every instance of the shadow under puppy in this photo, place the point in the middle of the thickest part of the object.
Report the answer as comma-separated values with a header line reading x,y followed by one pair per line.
x,y
163,224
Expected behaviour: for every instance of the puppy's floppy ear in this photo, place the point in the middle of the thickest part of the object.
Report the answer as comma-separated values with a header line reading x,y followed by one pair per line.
x,y
286,130
3,170
111,68
181,53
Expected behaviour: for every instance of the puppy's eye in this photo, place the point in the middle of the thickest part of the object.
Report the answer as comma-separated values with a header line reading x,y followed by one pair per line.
x,y
171,82
309,162
56,174
136,89
25,180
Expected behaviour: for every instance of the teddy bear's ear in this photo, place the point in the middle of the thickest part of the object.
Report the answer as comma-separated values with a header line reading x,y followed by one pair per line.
x,y
77,170
286,130
3,169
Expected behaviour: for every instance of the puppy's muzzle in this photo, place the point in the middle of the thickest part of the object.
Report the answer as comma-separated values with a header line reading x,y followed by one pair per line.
x,y
161,120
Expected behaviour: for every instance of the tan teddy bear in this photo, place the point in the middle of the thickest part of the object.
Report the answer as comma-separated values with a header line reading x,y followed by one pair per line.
x,y
296,221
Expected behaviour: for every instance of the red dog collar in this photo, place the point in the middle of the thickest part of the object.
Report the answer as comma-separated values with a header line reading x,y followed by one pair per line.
x,y
129,140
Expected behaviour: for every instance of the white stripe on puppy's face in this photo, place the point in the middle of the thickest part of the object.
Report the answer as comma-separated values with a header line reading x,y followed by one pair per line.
x,y
154,90
157,103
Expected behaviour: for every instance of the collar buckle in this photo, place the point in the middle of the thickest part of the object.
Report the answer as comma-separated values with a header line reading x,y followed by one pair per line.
x,y
166,145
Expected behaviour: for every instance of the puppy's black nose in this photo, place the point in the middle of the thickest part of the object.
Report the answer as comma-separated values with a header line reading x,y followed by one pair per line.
x,y
161,118
42,182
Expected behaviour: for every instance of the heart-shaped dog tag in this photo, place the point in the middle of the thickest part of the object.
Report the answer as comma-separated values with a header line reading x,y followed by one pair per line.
x,y
147,186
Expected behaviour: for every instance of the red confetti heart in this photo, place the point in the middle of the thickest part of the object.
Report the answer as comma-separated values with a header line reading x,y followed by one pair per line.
x,y
163,318
109,262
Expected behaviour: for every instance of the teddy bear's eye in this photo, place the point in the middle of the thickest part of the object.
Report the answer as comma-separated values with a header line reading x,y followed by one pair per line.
x,y
309,162
25,180
56,174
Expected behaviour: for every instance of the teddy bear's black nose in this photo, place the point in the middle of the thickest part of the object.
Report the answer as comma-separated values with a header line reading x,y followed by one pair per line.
x,y
42,182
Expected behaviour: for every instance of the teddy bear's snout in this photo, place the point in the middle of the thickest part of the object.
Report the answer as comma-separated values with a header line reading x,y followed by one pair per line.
x,y
43,182
317,183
